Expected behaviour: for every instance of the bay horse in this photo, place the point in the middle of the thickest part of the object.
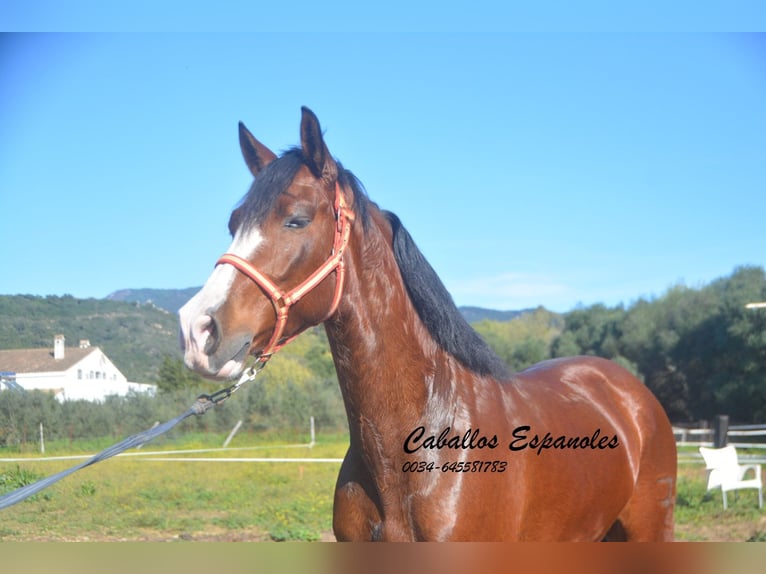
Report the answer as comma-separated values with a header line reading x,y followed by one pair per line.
x,y
445,442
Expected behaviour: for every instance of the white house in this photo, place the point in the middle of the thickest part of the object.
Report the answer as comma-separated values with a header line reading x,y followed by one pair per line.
x,y
71,373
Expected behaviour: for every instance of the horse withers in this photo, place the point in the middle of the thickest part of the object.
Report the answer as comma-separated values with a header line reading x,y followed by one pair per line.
x,y
445,442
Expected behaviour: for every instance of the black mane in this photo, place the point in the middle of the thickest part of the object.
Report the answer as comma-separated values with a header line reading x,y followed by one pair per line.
x,y
431,299
438,311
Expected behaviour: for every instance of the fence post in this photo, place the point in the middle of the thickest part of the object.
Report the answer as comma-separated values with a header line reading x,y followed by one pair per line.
x,y
42,440
720,430
232,433
313,434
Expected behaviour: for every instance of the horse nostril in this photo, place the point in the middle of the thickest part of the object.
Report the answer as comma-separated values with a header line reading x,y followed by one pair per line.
x,y
205,334
213,336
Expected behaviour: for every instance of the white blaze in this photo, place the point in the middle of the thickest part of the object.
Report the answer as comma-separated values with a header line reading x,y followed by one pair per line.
x,y
194,314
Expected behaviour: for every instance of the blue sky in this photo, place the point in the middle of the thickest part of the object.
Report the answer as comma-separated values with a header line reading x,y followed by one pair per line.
x,y
549,169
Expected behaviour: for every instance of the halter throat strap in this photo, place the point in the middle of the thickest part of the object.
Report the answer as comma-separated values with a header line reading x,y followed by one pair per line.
x,y
283,301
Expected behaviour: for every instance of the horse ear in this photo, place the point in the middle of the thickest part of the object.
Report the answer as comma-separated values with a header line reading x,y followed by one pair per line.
x,y
257,156
315,151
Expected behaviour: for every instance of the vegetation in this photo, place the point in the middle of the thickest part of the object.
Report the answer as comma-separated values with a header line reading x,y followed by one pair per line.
x,y
131,498
525,340
699,513
297,384
698,349
169,299
136,337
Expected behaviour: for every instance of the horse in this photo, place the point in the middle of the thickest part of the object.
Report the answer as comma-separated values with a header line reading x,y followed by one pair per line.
x,y
445,443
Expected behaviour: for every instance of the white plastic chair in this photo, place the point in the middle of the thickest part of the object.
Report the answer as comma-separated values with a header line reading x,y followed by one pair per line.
x,y
725,471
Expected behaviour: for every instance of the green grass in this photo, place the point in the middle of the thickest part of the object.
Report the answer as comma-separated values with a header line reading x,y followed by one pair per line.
x,y
127,498
699,513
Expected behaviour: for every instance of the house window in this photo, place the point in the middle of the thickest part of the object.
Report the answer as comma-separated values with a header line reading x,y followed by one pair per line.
x,y
79,374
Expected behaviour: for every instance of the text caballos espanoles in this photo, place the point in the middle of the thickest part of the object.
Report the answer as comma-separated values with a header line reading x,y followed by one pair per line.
x,y
522,439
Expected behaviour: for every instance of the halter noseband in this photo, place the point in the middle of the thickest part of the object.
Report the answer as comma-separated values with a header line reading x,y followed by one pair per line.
x,y
283,301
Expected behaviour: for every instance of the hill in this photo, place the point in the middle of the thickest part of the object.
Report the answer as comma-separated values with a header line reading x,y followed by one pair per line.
x,y
476,314
169,299
136,328
173,299
136,337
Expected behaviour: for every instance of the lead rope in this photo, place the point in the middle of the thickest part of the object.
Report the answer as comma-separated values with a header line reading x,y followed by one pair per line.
x,y
203,404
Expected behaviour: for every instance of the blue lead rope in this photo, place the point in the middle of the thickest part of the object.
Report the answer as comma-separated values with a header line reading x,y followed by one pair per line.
x,y
200,407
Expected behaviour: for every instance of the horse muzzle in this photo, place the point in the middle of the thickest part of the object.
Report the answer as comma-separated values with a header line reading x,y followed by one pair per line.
x,y
206,350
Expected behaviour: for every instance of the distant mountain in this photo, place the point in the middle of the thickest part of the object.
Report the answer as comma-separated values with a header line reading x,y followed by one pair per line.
x,y
173,299
476,314
169,299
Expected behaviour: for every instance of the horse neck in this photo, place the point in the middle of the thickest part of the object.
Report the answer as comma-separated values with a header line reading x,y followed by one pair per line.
x,y
380,347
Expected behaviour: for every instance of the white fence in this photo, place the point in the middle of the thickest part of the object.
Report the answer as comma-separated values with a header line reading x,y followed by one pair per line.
x,y
741,436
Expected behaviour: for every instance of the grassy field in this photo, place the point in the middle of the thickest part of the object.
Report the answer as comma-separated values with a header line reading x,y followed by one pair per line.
x,y
700,515
135,499
132,498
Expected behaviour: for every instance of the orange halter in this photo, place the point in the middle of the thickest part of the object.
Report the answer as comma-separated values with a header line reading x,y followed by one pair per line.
x,y
283,301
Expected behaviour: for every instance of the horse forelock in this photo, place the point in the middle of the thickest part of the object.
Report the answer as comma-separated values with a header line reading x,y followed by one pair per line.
x,y
270,183
275,179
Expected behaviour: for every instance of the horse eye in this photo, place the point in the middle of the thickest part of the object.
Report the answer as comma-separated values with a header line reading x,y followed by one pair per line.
x,y
297,222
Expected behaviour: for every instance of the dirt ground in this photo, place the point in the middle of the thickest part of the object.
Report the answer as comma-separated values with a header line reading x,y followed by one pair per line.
x,y
723,531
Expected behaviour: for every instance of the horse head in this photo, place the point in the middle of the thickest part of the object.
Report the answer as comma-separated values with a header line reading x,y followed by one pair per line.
x,y
284,269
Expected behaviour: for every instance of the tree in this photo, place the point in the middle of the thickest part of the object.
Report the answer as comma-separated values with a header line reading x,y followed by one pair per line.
x,y
524,340
173,376
594,330
699,350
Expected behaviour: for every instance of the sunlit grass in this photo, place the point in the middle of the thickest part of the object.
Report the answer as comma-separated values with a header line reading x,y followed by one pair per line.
x,y
699,513
127,498
130,498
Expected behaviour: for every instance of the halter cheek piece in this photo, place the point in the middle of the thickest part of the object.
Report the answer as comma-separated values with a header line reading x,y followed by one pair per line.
x,y
283,301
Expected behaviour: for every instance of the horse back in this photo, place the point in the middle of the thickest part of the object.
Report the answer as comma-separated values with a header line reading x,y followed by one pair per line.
x,y
579,393
587,436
